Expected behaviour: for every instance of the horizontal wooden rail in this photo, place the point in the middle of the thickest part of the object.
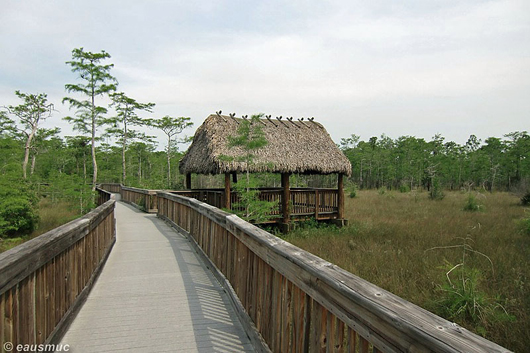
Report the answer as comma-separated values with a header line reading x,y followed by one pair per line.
x,y
103,196
111,187
146,200
44,281
299,302
321,204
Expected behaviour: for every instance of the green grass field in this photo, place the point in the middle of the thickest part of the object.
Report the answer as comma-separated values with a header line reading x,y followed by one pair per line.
x,y
407,244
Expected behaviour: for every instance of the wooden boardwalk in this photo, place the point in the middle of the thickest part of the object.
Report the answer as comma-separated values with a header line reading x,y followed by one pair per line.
x,y
155,295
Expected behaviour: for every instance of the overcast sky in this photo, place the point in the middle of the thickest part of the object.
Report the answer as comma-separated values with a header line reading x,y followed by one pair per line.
x,y
359,67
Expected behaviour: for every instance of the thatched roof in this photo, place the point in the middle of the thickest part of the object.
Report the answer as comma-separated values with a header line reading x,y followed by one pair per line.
x,y
302,147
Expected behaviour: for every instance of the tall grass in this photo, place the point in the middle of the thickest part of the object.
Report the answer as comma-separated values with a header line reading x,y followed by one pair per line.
x,y
51,215
405,243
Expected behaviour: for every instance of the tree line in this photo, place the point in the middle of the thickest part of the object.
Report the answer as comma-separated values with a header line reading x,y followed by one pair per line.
x,y
111,145
408,162
108,146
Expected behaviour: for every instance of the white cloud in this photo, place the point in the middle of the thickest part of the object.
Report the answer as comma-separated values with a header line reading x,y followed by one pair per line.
x,y
359,67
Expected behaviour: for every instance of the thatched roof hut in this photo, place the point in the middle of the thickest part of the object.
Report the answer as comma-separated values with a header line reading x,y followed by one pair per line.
x,y
293,146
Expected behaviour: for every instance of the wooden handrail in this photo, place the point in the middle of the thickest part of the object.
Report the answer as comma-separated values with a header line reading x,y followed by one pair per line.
x,y
300,302
44,281
143,199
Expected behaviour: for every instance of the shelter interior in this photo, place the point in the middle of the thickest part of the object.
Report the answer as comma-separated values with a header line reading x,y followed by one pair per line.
x,y
294,147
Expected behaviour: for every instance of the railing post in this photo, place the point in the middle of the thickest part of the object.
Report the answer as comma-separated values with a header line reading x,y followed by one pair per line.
x,y
340,196
227,191
317,203
286,200
188,180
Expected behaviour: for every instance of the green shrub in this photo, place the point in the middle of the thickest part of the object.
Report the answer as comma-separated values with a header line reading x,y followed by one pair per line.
x,y
352,191
461,299
460,296
436,192
249,206
17,216
404,188
18,208
472,204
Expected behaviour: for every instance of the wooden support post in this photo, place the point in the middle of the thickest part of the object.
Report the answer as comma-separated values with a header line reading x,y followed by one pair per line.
x,y
340,200
227,191
317,203
286,200
188,180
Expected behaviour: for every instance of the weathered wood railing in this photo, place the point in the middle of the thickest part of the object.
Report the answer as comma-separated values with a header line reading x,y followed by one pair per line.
x,y
320,204
44,281
299,302
214,197
141,198
111,187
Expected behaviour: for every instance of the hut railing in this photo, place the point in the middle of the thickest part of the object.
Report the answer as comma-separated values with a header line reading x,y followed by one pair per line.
x,y
315,202
44,281
319,203
299,302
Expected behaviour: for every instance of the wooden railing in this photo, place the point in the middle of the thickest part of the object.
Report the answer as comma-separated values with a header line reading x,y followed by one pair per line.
x,y
145,200
299,302
214,197
111,187
320,204
44,281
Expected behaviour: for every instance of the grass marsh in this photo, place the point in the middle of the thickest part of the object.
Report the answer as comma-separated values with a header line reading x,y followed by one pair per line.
x,y
405,243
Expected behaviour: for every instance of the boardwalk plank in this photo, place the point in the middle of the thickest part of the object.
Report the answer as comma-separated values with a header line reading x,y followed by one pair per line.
x,y
154,294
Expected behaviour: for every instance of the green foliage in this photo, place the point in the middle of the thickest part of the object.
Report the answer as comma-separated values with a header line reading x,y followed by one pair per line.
x,y
250,138
120,125
249,205
436,192
97,81
404,188
30,114
472,205
492,164
351,190
70,188
172,127
7,125
17,216
461,298
311,228
18,208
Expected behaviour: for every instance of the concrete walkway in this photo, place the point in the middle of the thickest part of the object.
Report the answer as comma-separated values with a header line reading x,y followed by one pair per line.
x,y
155,295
